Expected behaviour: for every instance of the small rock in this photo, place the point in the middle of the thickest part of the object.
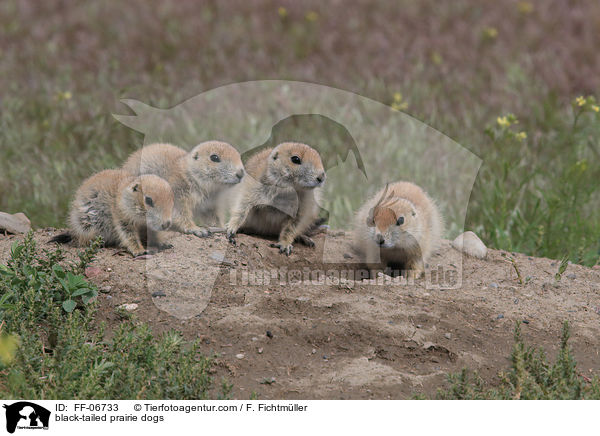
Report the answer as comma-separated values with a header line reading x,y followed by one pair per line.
x,y
17,223
105,289
128,307
494,285
525,321
500,316
571,276
260,350
254,339
325,357
516,301
159,294
347,256
269,334
418,326
92,271
240,355
448,335
314,350
470,244
109,269
220,258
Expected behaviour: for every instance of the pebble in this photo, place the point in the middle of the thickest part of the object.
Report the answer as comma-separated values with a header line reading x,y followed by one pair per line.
x,y
17,223
314,350
494,285
260,350
105,289
571,276
159,294
254,339
500,316
347,256
525,321
92,271
240,355
448,335
325,357
470,244
129,307
269,334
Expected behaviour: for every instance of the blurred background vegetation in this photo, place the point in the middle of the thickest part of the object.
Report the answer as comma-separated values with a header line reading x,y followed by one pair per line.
x,y
463,67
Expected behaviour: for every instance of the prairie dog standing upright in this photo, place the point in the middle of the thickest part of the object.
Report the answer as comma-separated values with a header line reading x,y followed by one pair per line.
x,y
122,209
197,178
279,198
399,225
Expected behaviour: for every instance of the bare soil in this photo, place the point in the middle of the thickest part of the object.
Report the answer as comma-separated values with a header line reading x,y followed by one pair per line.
x,y
344,340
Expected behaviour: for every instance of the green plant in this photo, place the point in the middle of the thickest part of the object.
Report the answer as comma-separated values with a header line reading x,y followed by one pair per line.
x,y
49,349
530,377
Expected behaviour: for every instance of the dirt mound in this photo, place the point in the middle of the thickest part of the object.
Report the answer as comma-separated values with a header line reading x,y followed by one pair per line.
x,y
298,338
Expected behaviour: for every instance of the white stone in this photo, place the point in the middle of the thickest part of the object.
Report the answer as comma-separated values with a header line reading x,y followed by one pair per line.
x,y
470,244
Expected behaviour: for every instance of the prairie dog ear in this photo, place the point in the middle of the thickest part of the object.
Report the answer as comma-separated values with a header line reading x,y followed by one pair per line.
x,y
371,218
136,187
274,155
414,212
196,156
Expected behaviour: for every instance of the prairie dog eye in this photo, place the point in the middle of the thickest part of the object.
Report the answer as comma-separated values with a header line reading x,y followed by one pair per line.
x,y
296,160
215,158
148,201
196,156
400,221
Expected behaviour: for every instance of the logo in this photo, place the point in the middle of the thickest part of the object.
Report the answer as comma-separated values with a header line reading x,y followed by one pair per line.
x,y
26,415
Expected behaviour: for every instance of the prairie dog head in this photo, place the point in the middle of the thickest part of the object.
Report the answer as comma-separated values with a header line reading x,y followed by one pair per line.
x,y
215,162
394,222
149,199
295,165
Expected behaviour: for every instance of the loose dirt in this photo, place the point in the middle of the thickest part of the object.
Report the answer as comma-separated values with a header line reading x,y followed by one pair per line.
x,y
344,340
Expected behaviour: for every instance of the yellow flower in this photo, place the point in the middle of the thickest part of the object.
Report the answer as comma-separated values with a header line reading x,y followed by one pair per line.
x,y
8,348
397,96
312,16
436,58
503,122
525,8
282,12
581,101
397,106
595,108
490,32
521,135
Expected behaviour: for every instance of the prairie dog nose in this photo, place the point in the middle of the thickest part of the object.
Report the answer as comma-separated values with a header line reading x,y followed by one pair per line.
x,y
380,239
240,173
321,177
166,225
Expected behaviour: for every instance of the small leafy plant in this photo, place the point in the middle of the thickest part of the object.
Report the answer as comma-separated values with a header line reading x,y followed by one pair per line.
x,y
530,377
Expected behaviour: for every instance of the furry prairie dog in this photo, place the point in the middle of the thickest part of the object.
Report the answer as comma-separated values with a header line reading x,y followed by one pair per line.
x,y
279,196
122,209
197,177
400,225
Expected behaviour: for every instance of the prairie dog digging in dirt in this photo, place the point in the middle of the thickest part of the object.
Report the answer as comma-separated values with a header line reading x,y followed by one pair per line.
x,y
197,177
122,209
400,225
279,198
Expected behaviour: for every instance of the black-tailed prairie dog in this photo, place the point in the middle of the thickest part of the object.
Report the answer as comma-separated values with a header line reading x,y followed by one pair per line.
x,y
121,208
198,178
279,196
400,226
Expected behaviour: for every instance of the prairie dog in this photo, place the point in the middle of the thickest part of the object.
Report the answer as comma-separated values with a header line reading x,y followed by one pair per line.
x,y
121,208
399,225
197,177
279,198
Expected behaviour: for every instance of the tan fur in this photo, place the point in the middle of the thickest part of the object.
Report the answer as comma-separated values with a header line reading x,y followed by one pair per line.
x,y
197,181
409,244
279,198
113,204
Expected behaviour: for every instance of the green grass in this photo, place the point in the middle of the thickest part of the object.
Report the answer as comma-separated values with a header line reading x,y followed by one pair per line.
x,y
530,377
49,350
